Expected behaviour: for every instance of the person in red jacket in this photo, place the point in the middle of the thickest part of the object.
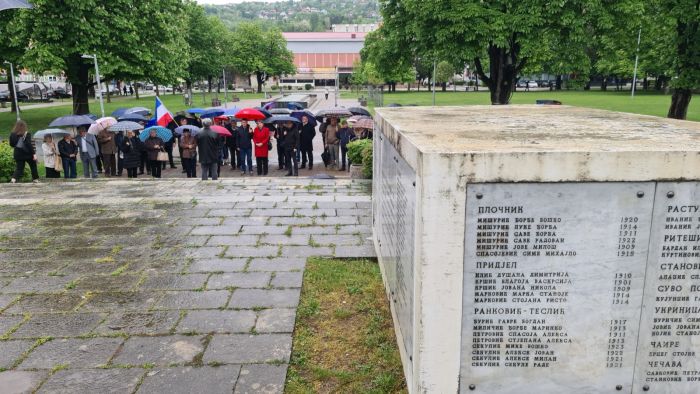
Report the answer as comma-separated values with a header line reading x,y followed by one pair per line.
x,y
261,139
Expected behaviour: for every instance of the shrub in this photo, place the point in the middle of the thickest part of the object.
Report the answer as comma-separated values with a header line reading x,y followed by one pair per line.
x,y
7,164
308,86
355,149
367,160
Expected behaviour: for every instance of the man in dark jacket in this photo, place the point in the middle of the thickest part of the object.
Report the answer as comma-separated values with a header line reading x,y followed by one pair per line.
x,y
306,144
245,147
231,143
209,144
276,132
290,138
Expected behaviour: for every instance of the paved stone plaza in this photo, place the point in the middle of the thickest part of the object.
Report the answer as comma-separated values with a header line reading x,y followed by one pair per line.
x,y
168,286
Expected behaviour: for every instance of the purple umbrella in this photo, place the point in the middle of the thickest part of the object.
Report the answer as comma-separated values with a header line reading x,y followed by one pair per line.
x,y
9,4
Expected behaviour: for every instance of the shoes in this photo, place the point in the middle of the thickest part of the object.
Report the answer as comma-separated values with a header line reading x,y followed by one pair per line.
x,y
184,171
288,174
13,180
242,173
173,167
250,172
302,166
36,181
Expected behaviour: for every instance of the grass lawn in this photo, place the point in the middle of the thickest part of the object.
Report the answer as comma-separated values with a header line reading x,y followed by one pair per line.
x,y
643,103
39,118
344,339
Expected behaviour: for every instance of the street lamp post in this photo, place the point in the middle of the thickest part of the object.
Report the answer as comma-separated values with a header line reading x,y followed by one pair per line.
x,y
337,88
14,87
225,90
99,82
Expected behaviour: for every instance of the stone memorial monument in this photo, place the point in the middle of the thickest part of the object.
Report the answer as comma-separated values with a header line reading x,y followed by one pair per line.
x,y
540,249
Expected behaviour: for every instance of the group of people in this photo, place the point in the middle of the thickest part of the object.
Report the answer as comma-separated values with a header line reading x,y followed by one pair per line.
x,y
112,153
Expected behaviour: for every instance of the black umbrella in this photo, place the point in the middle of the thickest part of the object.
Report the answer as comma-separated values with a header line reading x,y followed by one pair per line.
x,y
263,111
359,111
9,4
71,121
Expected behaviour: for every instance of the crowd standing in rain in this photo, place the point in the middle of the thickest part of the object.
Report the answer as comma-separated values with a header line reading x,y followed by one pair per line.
x,y
216,139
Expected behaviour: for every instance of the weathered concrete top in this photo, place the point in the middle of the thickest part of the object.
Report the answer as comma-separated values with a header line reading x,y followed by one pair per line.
x,y
546,143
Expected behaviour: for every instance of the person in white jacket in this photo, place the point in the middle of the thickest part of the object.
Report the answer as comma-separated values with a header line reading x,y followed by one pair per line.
x,y
50,157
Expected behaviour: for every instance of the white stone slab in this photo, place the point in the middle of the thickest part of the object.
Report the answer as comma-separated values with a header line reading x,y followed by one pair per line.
x,y
668,354
553,283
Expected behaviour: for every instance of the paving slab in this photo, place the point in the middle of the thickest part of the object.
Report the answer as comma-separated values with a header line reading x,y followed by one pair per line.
x,y
21,382
239,280
58,325
262,298
187,380
219,321
101,381
275,320
173,349
73,353
218,265
247,349
11,351
261,378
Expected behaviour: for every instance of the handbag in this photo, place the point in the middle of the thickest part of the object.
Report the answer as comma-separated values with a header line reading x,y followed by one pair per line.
x,y
58,166
269,145
162,156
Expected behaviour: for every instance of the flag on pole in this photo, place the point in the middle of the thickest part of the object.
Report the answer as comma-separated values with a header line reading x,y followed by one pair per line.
x,y
163,116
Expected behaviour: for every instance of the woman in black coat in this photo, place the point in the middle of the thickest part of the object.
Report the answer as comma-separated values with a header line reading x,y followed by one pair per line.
x,y
24,152
131,147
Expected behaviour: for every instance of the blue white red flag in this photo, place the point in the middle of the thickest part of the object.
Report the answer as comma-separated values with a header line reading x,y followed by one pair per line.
x,y
163,116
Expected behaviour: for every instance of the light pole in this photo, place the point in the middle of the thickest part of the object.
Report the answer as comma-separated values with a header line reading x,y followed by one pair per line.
x,y
636,62
99,82
337,88
14,87
225,90
434,74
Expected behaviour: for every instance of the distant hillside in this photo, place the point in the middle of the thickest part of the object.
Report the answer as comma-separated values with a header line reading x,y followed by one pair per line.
x,y
300,15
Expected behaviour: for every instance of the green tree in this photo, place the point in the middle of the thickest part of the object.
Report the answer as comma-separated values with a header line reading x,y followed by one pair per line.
x,y
209,41
443,73
262,53
392,61
502,34
12,45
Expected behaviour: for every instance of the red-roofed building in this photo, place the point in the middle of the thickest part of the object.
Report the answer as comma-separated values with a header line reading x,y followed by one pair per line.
x,y
319,56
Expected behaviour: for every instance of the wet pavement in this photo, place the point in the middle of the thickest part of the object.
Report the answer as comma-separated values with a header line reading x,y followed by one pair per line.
x,y
163,286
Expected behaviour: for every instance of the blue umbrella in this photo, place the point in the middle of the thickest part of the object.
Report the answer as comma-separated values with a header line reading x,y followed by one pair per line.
x,y
91,116
193,129
118,112
133,118
162,133
212,113
152,122
71,121
231,111
308,114
263,111
195,110
295,106
282,119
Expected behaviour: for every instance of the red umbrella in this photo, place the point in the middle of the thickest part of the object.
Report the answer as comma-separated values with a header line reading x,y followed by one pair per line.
x,y
250,114
220,130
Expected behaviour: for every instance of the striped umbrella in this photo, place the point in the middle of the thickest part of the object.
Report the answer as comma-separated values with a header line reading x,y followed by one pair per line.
x,y
365,123
161,132
102,124
125,126
356,118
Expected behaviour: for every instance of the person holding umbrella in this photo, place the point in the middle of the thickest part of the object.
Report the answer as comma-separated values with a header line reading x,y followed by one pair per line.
x,y
261,138
209,143
345,136
89,150
24,152
154,145
108,147
306,144
332,142
131,147
50,157
188,147
277,133
68,150
290,138
231,142
244,147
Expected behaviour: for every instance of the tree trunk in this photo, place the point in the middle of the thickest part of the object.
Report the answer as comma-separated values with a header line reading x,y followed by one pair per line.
x,y
679,103
604,84
504,67
136,90
209,78
558,82
658,82
77,74
418,86
259,79
444,86
109,95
